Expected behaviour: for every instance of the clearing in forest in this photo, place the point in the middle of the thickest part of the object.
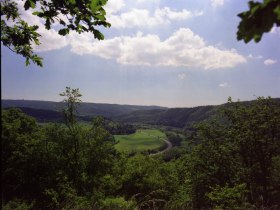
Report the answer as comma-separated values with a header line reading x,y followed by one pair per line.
x,y
141,140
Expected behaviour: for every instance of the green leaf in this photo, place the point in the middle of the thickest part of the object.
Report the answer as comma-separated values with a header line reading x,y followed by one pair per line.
x,y
94,6
29,3
98,35
63,31
36,13
27,62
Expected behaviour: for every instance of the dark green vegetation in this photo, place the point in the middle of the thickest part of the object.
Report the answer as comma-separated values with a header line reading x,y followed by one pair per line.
x,y
82,16
175,117
85,110
231,161
259,19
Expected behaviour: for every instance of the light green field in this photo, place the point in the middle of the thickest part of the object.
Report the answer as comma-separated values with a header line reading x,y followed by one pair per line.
x,y
140,141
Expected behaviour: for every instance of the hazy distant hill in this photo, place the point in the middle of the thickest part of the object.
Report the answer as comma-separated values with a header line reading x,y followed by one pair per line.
x,y
85,109
175,117
155,115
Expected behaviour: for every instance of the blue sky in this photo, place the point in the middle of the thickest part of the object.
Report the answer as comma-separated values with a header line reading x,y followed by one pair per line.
x,y
179,53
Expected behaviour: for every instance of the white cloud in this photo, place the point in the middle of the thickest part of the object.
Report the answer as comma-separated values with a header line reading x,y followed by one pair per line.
x,y
114,6
182,48
270,62
255,57
217,3
166,12
223,85
143,18
50,39
275,30
181,76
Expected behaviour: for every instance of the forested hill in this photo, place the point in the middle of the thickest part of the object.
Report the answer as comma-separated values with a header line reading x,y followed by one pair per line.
x,y
175,117
85,109
154,115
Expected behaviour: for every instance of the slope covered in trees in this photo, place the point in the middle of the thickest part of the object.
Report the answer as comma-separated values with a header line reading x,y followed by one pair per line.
x,y
85,109
234,163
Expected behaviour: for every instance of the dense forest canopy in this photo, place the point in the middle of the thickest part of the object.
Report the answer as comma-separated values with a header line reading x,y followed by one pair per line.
x,y
231,162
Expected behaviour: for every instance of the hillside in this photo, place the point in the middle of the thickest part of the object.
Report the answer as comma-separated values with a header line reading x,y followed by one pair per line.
x,y
153,115
85,109
175,117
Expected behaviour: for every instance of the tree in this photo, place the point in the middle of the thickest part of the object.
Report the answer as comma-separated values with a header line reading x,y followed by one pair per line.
x,y
255,130
22,155
259,19
71,15
237,161
71,103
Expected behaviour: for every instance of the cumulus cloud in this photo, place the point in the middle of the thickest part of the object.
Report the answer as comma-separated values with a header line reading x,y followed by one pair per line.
x,y
50,39
114,6
223,85
160,16
217,3
181,76
182,48
269,62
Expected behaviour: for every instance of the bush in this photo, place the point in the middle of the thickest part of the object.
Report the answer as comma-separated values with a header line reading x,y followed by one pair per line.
x,y
118,203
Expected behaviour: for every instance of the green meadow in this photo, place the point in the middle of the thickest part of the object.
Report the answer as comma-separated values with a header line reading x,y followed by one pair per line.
x,y
141,140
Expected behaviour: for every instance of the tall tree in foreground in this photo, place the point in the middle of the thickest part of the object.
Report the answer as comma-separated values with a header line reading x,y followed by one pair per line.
x,y
71,103
255,130
236,165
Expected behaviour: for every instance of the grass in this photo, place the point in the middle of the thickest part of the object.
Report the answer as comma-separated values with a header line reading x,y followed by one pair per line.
x,y
141,140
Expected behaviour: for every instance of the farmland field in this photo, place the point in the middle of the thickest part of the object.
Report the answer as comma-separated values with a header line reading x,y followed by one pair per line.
x,y
141,140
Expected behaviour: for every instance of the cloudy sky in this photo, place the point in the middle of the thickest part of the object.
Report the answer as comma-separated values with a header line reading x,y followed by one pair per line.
x,y
179,53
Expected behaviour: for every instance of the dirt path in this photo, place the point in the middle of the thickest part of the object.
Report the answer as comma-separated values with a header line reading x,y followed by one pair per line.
x,y
169,146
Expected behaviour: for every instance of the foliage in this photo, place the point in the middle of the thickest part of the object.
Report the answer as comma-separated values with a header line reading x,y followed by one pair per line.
x,y
54,165
234,164
71,102
117,128
118,203
259,19
80,16
19,37
175,117
255,130
228,197
17,205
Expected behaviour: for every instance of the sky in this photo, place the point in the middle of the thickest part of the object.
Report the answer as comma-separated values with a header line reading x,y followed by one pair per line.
x,y
180,53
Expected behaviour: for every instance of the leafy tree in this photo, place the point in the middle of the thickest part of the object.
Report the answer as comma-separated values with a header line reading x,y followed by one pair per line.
x,y
71,103
148,181
259,19
255,130
75,15
230,198
23,156
211,163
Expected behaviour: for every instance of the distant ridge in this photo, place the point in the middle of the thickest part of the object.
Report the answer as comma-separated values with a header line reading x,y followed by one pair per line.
x,y
153,115
85,109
